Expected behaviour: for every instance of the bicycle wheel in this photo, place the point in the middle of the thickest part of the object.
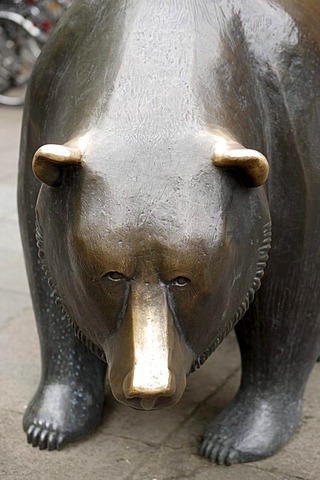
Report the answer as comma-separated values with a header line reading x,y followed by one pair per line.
x,y
18,52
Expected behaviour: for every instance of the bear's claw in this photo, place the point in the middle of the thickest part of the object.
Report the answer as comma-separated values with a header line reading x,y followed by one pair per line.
x,y
43,435
213,449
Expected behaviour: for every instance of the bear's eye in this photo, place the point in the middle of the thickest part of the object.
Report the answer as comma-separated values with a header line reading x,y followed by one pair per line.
x,y
180,281
115,276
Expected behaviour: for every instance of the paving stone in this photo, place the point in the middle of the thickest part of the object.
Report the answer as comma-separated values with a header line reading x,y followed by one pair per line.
x,y
10,237
151,427
207,379
10,125
19,363
189,433
13,275
8,201
9,167
166,464
12,304
98,458
240,472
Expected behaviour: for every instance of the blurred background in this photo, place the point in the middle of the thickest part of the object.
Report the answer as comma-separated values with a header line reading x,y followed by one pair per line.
x,y
25,26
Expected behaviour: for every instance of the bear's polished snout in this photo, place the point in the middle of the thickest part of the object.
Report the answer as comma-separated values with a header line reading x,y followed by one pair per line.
x,y
148,363
158,393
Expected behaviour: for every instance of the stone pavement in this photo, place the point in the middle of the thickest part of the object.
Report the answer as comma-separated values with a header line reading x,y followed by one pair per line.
x,y
129,445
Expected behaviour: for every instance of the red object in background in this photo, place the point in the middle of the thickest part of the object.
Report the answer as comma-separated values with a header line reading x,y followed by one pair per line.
x,y
46,26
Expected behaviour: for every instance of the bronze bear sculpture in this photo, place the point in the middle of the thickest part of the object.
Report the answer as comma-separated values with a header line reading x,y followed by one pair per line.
x,y
149,222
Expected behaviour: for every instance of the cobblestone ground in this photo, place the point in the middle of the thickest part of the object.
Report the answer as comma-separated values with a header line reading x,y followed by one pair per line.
x,y
129,445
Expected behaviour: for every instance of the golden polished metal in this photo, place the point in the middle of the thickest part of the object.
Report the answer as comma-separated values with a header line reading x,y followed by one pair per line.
x,y
152,345
49,158
253,165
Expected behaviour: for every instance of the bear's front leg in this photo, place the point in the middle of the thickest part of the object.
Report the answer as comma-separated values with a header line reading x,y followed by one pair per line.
x,y
69,401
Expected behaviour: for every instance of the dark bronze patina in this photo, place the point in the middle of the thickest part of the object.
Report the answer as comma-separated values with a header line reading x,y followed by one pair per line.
x,y
151,220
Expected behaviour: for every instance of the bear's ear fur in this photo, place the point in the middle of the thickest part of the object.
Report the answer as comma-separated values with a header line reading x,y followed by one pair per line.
x,y
250,165
50,160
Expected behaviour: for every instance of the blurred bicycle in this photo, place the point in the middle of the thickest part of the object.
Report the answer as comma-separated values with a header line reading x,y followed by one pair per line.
x,y
24,28
19,50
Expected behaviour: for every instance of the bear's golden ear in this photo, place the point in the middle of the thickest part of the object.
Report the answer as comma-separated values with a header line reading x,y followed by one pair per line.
x,y
251,165
50,160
